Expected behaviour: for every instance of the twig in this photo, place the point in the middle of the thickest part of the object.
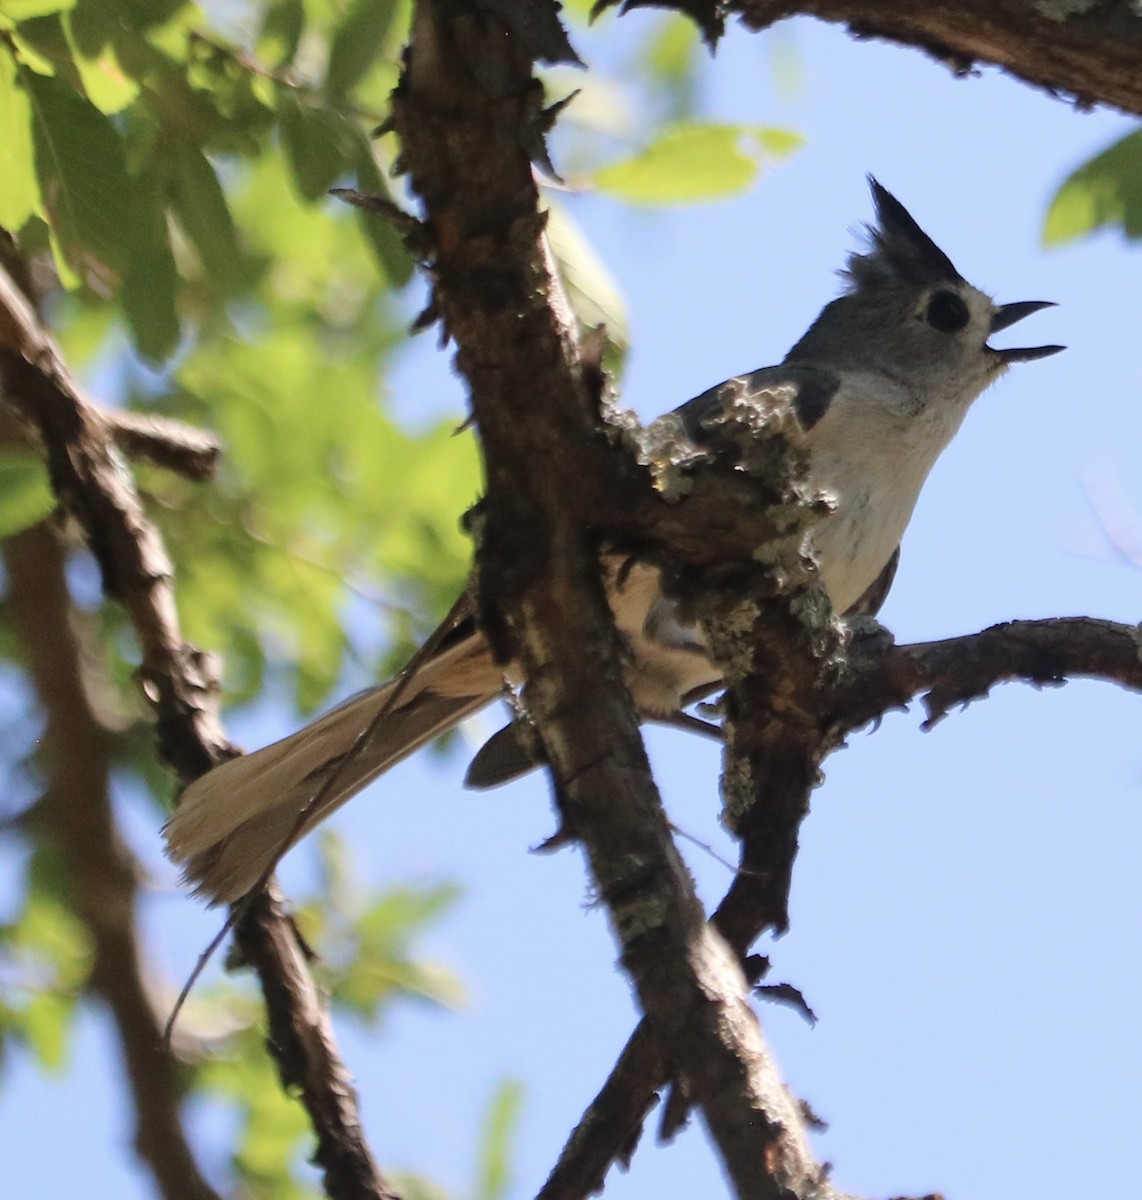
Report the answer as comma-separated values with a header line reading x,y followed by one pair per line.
x,y
303,1048
167,443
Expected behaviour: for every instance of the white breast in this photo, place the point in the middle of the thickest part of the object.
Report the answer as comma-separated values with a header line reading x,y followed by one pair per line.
x,y
871,452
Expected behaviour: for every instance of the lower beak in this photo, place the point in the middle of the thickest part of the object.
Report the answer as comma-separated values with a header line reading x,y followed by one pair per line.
x,y
1008,314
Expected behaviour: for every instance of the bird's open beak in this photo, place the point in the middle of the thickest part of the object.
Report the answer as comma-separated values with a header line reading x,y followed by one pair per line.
x,y
1008,314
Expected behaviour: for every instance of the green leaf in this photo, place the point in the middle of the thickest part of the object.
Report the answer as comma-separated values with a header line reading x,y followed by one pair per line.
x,y
318,141
150,282
671,57
356,43
199,205
591,288
46,1025
47,961
281,31
25,494
20,193
83,180
1105,191
12,11
691,163
273,1128
105,83
501,1125
42,45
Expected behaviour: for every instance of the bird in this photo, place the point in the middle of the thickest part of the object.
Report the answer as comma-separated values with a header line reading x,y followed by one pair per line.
x,y
879,384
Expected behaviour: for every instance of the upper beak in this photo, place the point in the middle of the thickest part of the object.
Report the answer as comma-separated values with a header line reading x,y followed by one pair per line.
x,y
1008,314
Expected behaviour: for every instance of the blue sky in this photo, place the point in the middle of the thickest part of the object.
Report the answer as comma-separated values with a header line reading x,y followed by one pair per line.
x,y
966,906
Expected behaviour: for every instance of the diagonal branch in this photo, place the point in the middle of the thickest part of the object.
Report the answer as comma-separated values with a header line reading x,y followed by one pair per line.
x,y
943,674
74,817
1091,52
93,485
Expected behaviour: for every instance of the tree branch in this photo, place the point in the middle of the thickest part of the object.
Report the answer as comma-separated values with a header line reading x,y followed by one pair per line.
x,y
92,484
302,1044
468,114
1091,52
167,443
877,680
75,820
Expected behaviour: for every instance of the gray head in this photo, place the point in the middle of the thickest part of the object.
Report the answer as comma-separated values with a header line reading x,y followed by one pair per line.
x,y
908,312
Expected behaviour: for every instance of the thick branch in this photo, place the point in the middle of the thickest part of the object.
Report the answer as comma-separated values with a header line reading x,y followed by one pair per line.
x,y
1089,51
468,115
943,674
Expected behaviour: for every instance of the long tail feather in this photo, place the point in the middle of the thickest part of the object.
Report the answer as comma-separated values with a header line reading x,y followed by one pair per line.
x,y
234,823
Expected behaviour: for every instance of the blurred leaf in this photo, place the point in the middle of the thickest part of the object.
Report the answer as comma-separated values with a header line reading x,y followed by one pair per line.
x,y
43,45
240,99
151,279
671,57
200,207
778,143
280,35
46,1022
83,180
356,42
20,193
366,940
672,52
318,141
1105,191
691,163
591,288
275,1131
105,83
786,62
25,494
50,957
501,1127
413,1187
12,11
373,952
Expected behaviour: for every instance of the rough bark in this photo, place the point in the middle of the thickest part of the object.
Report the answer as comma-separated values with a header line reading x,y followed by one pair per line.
x,y
74,819
94,486
1087,52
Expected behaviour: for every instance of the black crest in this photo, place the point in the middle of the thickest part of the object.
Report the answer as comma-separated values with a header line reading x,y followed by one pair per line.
x,y
901,252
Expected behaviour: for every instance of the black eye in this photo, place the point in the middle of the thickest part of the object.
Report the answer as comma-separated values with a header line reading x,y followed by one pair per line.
x,y
947,312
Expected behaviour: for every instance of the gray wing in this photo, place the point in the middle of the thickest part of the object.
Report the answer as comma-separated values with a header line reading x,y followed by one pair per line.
x,y
813,392
513,751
